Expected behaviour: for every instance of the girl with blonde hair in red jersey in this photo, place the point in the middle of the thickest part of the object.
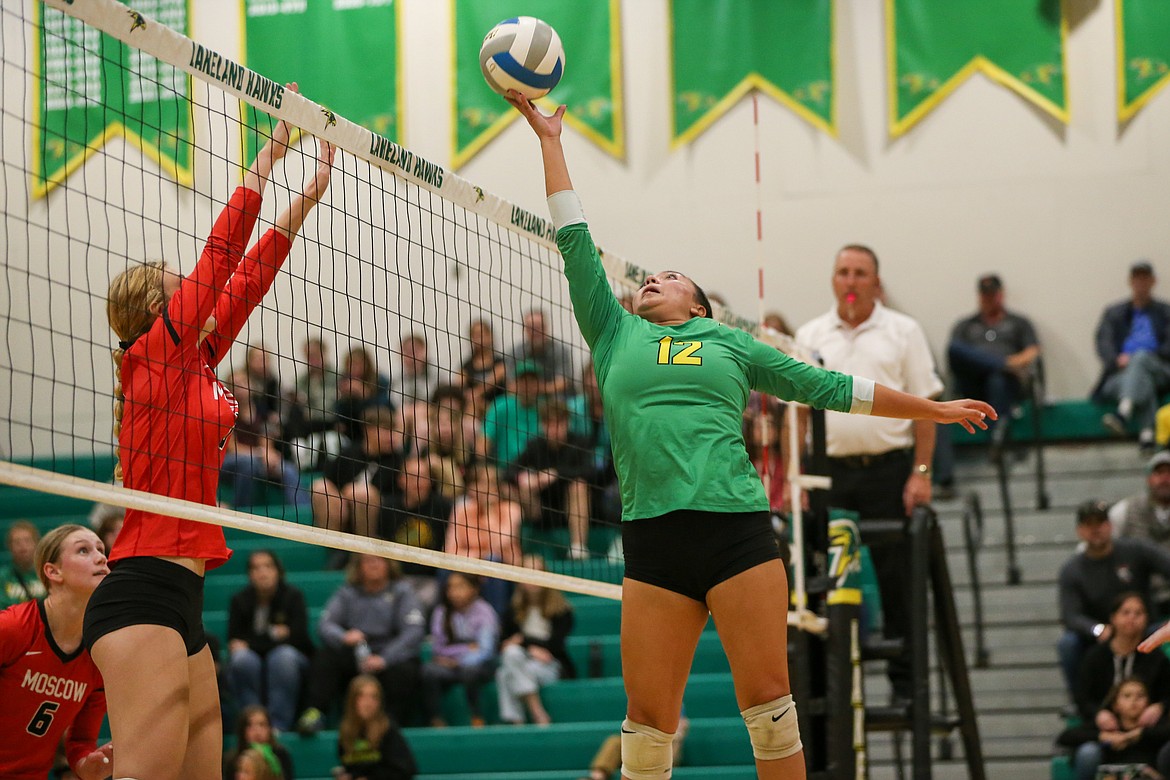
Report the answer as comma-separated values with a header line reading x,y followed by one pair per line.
x,y
48,683
173,418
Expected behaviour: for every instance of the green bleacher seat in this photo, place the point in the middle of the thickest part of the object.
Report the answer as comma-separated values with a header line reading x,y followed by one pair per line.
x,y
1073,419
19,504
296,556
682,773
317,586
1062,768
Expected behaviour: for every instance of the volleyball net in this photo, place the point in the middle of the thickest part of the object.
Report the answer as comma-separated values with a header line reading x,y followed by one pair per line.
x,y
413,385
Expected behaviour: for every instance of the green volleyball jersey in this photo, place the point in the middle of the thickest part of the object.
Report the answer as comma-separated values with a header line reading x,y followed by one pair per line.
x,y
674,395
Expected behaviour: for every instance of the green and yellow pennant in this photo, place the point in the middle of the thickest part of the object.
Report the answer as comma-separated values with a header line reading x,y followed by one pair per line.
x,y
91,88
347,57
1143,53
722,49
591,87
933,47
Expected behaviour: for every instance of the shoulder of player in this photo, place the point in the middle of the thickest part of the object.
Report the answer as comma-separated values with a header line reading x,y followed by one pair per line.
x,y
20,626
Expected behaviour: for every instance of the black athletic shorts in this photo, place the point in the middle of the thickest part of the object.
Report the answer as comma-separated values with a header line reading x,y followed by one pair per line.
x,y
147,591
689,552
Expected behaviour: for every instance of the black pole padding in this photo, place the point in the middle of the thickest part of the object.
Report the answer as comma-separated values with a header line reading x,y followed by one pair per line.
x,y
817,527
840,735
921,522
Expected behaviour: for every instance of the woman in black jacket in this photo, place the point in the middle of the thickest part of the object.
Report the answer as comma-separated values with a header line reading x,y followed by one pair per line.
x,y
533,653
268,640
1104,667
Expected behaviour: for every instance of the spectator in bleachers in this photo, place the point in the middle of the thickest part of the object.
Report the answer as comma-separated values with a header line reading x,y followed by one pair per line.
x,y
254,732
554,358
254,764
1128,740
486,524
268,640
316,389
18,579
264,387
253,456
417,515
775,320
551,477
109,527
484,371
1094,577
1133,342
450,438
416,377
465,634
992,352
533,653
359,388
372,625
348,496
766,437
369,743
512,421
1146,515
1108,664
588,422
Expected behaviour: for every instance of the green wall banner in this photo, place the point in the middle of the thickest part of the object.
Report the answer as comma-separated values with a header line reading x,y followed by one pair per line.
x,y
91,88
723,49
344,55
1143,53
933,47
590,31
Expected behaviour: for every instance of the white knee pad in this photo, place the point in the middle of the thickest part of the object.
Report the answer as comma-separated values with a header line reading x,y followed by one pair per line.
x,y
773,729
646,752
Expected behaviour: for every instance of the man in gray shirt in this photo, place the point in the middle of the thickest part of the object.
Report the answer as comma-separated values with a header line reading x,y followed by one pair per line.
x,y
372,625
991,351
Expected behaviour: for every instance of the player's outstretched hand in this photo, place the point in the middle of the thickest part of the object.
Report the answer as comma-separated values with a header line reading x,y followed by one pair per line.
x,y
1156,639
969,413
316,186
98,765
278,146
544,126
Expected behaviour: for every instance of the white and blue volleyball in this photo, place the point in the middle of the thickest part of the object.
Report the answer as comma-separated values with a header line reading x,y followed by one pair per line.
x,y
522,53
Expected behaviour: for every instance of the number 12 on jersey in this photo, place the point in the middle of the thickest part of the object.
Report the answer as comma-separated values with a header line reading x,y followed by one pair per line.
x,y
683,357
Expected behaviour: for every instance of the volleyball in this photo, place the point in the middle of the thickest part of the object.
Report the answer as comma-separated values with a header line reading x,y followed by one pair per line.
x,y
522,53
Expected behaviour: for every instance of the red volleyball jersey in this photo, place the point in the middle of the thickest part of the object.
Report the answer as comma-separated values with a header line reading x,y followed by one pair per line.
x,y
177,415
46,693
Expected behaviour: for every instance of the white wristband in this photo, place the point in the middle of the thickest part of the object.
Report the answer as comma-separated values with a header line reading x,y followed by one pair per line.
x,y
565,208
862,395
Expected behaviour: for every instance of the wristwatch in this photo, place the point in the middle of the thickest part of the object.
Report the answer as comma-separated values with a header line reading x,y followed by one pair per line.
x,y
923,469
1098,629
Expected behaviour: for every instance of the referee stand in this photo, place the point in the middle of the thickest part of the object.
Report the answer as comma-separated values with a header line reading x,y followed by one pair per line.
x,y
827,668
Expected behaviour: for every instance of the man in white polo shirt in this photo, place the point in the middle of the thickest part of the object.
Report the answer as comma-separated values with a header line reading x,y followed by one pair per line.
x,y
880,467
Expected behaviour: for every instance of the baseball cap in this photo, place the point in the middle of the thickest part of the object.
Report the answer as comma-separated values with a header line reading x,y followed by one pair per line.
x,y
990,283
1141,267
528,367
1093,509
1161,458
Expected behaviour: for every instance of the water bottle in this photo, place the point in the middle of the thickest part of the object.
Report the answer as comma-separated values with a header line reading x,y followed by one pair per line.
x,y
596,660
361,651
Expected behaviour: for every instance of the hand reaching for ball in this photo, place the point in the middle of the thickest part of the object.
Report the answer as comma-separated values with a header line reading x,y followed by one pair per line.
x,y
544,126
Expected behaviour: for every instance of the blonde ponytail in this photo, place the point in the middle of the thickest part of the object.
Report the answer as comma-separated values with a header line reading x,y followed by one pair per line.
x,y
135,298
